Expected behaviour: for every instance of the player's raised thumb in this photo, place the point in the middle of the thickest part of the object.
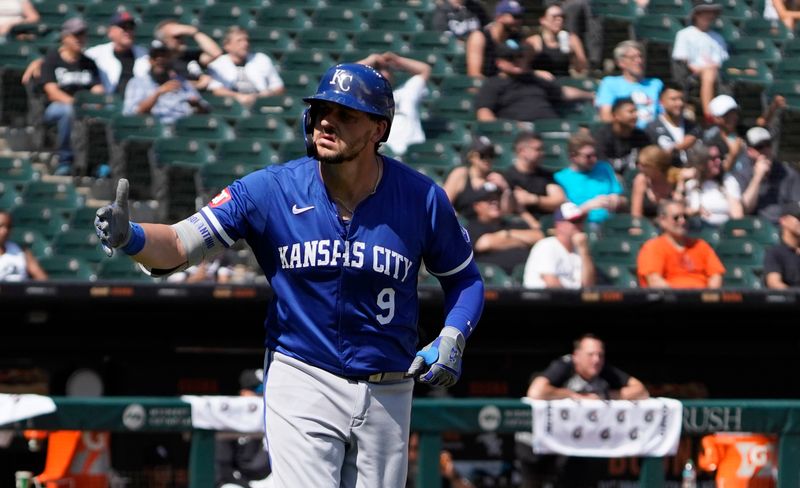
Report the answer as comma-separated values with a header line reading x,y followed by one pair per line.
x,y
122,194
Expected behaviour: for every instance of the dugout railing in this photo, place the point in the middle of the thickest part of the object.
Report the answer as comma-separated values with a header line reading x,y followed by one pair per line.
x,y
430,417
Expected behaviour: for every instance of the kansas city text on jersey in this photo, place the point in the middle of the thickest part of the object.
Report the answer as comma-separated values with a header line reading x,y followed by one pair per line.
x,y
333,253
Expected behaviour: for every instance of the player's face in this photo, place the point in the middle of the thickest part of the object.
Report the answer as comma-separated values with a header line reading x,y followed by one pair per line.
x,y
589,358
341,134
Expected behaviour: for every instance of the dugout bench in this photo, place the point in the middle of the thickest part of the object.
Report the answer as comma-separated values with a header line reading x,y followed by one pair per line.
x,y
430,417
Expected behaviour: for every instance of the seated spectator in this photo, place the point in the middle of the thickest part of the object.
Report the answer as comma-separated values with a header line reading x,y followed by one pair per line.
x,y
698,52
632,84
121,59
496,240
482,44
534,188
65,72
671,130
713,196
619,141
189,63
562,260
787,11
761,176
523,96
724,112
242,74
15,12
555,49
459,17
16,264
674,260
589,183
656,180
162,92
406,125
782,261
450,477
466,181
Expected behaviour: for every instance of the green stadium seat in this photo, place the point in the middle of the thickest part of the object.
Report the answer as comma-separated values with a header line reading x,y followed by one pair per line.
x,y
615,250
432,153
740,252
309,5
436,41
32,239
709,234
657,33
14,58
459,107
378,41
249,152
176,165
331,40
727,29
287,107
227,107
274,41
679,9
266,127
290,17
615,275
314,62
751,227
459,84
39,217
54,195
773,30
756,48
749,77
450,131
494,276
154,13
54,13
741,277
346,20
210,128
500,131
9,196
214,177
82,217
67,268
738,11
17,170
80,243
298,83
629,227
395,19
121,269
98,13
790,89
556,155
182,150
223,15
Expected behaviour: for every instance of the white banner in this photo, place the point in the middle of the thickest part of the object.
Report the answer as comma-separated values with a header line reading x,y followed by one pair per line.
x,y
21,407
228,413
597,428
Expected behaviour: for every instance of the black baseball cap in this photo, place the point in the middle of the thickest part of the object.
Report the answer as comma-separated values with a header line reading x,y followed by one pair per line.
x,y
122,18
791,208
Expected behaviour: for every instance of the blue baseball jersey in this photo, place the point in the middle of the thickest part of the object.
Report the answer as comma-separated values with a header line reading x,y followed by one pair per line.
x,y
345,294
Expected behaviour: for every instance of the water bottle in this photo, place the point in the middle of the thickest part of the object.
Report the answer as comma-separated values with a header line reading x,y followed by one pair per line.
x,y
563,41
689,475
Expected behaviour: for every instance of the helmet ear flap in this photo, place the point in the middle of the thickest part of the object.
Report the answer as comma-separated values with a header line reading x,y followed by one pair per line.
x,y
308,131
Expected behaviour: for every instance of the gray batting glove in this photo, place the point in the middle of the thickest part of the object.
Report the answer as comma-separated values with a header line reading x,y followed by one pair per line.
x,y
439,363
112,223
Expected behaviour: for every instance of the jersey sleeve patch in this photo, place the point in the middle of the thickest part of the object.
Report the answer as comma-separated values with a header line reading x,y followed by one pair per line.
x,y
223,197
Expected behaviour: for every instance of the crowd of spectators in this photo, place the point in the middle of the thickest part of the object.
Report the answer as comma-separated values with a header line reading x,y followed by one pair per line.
x,y
650,144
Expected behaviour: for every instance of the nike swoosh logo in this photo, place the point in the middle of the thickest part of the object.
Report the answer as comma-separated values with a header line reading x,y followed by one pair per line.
x,y
298,211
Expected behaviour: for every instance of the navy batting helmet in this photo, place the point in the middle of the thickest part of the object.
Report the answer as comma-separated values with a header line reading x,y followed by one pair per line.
x,y
355,86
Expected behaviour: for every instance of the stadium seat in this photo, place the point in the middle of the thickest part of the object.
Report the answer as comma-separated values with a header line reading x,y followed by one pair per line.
x,y
727,29
395,19
738,11
272,41
314,62
436,41
226,107
253,153
287,107
218,17
130,139
54,13
210,128
289,17
751,227
616,276
627,226
267,127
450,131
379,42
757,48
175,167
154,13
345,20
298,83
32,239
328,39
749,78
54,195
40,218
459,84
460,107
773,30
308,5
740,252
615,250
556,155
67,268
709,234
121,269
80,242
432,153
500,131
17,170
14,58
741,277
657,33
494,276
171,150
9,196
679,9
89,141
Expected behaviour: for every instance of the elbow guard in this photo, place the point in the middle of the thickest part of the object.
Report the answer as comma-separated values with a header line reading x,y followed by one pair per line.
x,y
198,240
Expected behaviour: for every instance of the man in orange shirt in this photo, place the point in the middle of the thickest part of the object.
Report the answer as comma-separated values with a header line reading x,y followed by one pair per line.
x,y
674,260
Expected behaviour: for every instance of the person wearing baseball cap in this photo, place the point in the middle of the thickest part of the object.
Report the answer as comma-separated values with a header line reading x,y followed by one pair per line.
x,y
120,59
698,51
64,72
762,178
723,114
562,260
482,44
782,261
463,182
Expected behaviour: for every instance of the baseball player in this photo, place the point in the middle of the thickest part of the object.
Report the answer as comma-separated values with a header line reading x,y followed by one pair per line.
x,y
341,235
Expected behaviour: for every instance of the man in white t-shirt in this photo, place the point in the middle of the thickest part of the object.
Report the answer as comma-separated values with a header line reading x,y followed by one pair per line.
x,y
241,74
700,50
406,126
562,260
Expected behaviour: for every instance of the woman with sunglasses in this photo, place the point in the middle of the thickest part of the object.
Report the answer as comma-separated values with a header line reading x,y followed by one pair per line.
x,y
556,50
465,182
713,196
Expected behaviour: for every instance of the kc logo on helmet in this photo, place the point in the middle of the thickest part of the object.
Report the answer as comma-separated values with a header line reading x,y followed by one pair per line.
x,y
342,79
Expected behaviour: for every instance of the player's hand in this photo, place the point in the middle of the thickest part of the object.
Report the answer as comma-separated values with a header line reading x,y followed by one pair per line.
x,y
112,223
439,363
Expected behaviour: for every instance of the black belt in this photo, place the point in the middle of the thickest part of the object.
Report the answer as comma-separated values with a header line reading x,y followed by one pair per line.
x,y
384,377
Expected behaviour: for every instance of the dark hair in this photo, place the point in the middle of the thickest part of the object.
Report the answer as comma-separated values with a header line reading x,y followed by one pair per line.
x,y
576,344
670,85
525,136
619,102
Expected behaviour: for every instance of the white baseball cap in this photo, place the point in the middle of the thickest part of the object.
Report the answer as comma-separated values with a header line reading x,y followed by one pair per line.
x,y
722,104
568,211
758,136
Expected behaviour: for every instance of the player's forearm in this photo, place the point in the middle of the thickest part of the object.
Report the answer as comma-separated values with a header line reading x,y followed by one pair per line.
x,y
162,248
463,299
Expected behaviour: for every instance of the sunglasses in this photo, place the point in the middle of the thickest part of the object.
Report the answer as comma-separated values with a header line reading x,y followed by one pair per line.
x,y
678,217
